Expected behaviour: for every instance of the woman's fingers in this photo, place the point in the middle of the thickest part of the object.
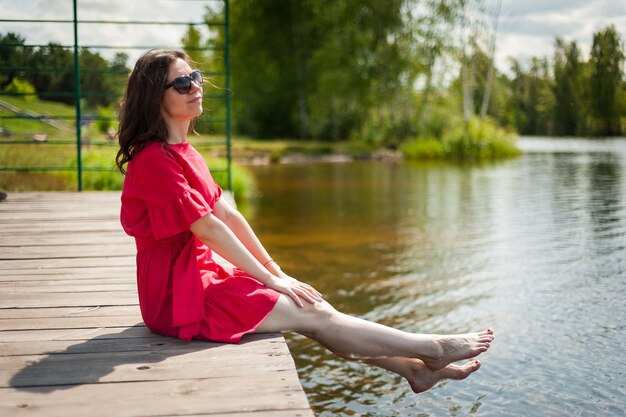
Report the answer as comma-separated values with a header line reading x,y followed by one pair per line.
x,y
308,296
299,291
316,292
310,289
295,298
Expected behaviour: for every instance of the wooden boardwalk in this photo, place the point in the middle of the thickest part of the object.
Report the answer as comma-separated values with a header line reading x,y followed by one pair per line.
x,y
72,342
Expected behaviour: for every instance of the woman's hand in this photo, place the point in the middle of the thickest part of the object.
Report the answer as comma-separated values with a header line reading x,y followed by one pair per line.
x,y
295,289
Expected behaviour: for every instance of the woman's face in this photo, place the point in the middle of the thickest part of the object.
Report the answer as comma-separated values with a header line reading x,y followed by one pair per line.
x,y
181,106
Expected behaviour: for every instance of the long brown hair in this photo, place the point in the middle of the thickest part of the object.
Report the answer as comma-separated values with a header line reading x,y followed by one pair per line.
x,y
139,114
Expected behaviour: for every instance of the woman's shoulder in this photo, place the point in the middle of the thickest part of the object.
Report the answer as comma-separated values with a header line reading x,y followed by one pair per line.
x,y
153,152
153,148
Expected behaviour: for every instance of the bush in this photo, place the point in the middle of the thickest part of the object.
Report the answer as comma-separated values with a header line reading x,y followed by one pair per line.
x,y
423,149
244,185
20,86
478,140
104,124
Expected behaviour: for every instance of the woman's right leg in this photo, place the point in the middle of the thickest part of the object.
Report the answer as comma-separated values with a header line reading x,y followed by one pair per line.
x,y
355,338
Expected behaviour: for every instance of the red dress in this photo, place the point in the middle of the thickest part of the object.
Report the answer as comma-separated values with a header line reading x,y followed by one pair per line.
x,y
183,292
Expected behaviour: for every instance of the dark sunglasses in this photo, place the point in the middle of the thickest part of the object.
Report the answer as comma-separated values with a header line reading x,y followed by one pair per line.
x,y
183,84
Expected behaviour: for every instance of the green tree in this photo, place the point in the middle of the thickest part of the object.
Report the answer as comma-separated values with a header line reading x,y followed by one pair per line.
x,y
54,85
263,80
193,45
313,69
13,56
569,111
607,75
96,82
360,65
532,98
118,74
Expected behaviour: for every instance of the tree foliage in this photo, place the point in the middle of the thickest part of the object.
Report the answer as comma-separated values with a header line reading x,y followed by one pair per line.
x,y
50,69
339,69
607,82
569,111
314,69
570,95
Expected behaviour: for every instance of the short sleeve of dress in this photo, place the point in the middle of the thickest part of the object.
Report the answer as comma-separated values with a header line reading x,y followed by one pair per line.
x,y
158,180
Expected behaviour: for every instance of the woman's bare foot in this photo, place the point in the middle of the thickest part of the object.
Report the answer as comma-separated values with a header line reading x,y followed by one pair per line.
x,y
423,378
458,347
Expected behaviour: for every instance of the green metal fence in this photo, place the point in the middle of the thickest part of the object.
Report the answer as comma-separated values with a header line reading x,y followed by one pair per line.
x,y
220,100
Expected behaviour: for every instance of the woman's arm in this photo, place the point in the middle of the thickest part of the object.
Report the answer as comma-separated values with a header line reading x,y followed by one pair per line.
x,y
235,221
219,237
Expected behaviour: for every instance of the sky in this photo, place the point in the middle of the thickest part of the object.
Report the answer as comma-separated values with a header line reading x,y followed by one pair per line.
x,y
527,28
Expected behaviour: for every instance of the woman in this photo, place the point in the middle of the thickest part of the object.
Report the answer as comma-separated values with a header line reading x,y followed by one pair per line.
x,y
172,207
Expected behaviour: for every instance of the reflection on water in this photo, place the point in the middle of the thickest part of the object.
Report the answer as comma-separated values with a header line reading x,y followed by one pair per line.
x,y
535,247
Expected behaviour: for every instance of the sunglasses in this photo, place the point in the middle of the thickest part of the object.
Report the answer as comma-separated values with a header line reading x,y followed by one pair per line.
x,y
183,84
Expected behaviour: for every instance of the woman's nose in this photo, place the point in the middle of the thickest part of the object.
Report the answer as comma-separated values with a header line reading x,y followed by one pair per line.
x,y
194,87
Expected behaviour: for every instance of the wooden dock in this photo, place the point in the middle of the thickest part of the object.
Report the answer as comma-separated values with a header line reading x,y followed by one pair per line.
x,y
72,342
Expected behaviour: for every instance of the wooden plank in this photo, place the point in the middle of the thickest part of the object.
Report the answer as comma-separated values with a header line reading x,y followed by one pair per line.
x,y
74,334
61,283
160,398
114,237
66,251
94,262
27,227
139,366
105,342
22,198
99,298
28,323
98,311
47,347
85,273
38,216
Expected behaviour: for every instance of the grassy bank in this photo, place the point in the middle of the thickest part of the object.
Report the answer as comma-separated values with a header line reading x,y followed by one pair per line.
x,y
99,169
476,141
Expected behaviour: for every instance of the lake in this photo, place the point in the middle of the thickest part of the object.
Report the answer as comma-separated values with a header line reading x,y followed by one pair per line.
x,y
534,247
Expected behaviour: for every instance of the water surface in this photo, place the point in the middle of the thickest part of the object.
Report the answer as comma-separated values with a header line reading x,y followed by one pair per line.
x,y
534,247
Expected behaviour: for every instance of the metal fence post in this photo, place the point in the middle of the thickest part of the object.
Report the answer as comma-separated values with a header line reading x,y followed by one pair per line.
x,y
79,165
227,83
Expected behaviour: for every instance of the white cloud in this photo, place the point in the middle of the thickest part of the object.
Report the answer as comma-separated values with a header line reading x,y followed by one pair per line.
x,y
104,34
529,28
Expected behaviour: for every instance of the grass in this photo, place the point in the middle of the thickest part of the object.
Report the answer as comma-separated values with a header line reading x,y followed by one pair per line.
x,y
41,106
24,128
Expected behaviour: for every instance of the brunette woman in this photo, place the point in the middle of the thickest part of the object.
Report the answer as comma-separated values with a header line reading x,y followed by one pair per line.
x,y
172,207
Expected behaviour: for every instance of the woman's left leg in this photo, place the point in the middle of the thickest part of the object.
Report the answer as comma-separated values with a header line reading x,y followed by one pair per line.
x,y
419,376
